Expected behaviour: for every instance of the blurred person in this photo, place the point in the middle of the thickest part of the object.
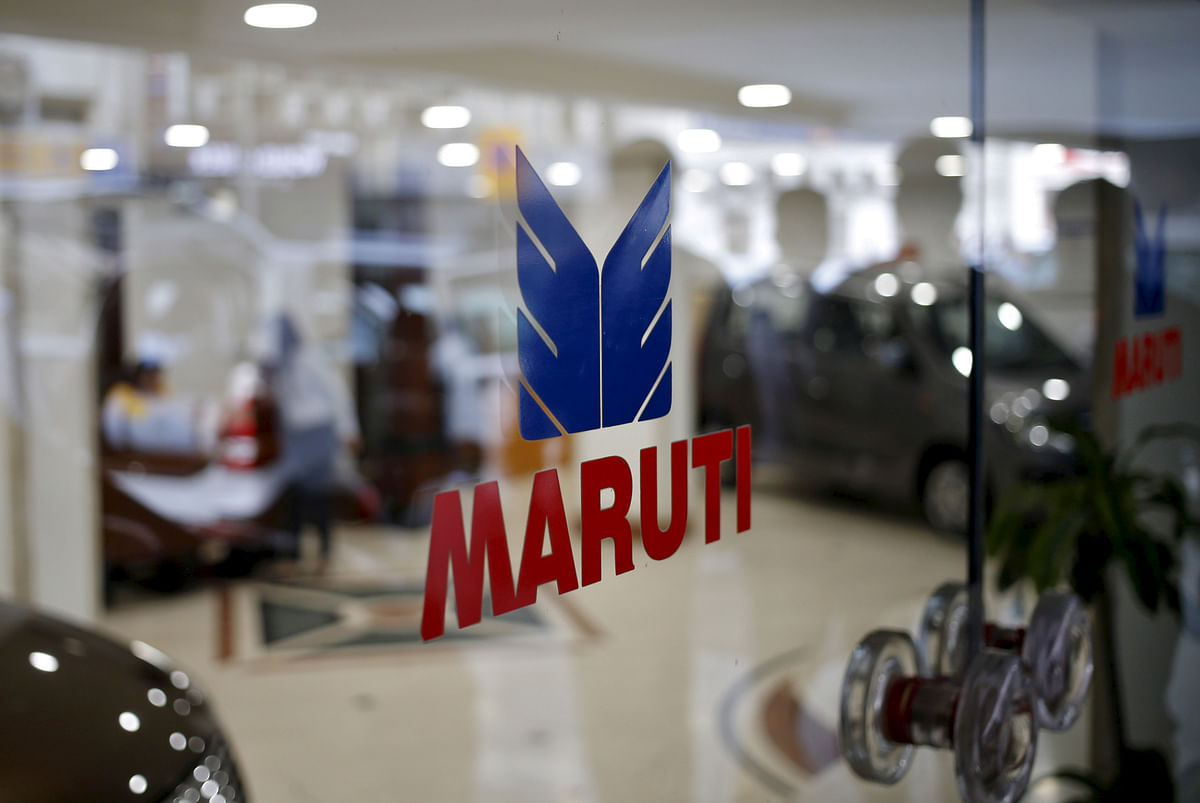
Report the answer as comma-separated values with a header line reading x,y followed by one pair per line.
x,y
455,360
319,425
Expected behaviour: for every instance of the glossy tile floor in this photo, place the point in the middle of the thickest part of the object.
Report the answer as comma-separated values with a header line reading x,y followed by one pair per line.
x,y
669,683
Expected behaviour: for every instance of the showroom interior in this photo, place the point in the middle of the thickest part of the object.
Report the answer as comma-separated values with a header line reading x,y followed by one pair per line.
x,y
292,320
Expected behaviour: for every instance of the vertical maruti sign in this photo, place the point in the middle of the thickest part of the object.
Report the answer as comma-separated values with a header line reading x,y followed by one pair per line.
x,y
594,348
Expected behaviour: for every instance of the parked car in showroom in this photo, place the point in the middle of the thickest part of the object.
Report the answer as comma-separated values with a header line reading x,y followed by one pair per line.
x,y
87,717
864,387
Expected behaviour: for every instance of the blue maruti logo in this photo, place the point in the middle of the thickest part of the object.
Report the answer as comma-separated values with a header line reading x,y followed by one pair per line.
x,y
1150,277
594,345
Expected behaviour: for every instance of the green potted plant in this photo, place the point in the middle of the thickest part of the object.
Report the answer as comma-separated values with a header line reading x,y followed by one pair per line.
x,y
1076,531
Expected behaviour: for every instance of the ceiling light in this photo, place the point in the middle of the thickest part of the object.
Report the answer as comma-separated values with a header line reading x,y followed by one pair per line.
x,y
924,294
97,159
950,165
446,117
186,136
1056,389
962,359
563,174
951,127
736,174
280,15
43,661
788,164
458,154
762,96
886,284
1010,317
699,140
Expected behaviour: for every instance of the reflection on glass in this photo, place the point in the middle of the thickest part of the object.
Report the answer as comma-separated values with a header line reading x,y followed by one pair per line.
x,y
446,117
458,154
186,135
98,159
564,174
43,661
950,127
887,285
1056,389
764,96
1009,316
962,359
950,165
280,15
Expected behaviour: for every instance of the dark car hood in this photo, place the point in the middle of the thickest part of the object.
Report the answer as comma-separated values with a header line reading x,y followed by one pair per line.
x,y
79,719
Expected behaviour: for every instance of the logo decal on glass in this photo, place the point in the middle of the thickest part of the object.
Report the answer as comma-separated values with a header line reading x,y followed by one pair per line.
x,y
1150,277
594,345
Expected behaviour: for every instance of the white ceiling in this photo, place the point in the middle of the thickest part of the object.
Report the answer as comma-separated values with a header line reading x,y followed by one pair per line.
x,y
1069,66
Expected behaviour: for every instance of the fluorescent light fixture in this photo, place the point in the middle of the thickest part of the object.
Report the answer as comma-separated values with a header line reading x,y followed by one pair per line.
x,y
98,159
446,117
923,294
1010,317
186,136
696,180
788,164
764,96
458,154
962,359
950,127
887,285
699,140
280,15
1056,389
950,165
736,174
563,174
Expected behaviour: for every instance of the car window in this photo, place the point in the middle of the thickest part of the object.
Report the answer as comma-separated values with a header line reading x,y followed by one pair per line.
x,y
846,327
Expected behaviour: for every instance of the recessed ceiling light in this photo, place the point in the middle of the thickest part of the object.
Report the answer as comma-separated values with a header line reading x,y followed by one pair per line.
x,y
97,159
762,96
280,15
788,164
186,135
950,165
736,174
564,174
951,127
446,117
458,154
887,285
699,140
